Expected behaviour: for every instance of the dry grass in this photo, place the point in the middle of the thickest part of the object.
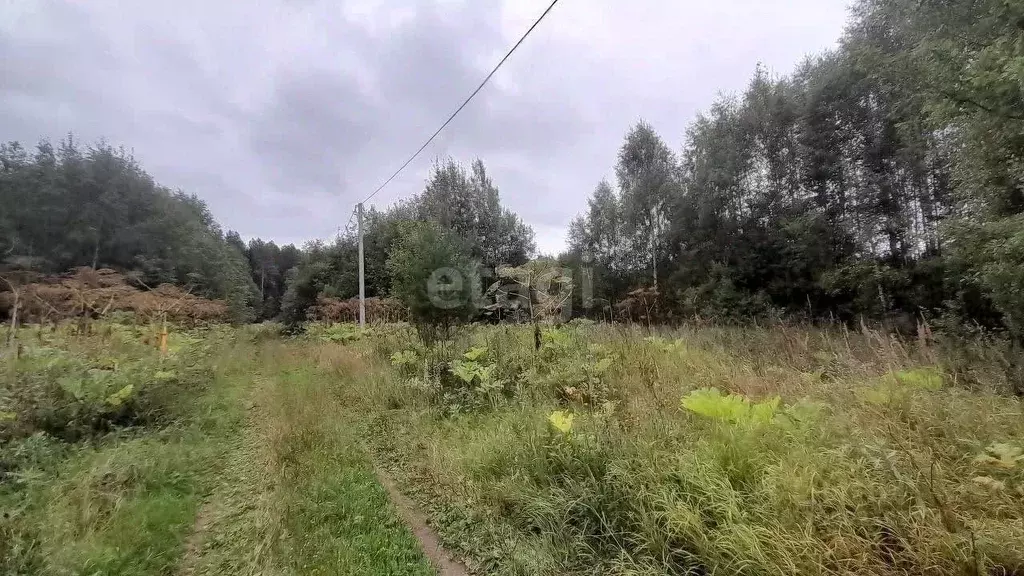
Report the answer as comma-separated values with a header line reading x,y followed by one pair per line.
x,y
377,310
881,474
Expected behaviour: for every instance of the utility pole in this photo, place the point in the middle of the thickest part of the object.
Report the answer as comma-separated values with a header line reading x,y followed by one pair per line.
x,y
362,283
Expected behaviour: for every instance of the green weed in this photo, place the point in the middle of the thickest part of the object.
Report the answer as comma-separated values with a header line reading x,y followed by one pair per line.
x,y
110,450
299,496
773,471
340,333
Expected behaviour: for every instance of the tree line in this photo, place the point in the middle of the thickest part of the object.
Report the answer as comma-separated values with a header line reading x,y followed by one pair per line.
x,y
67,205
459,211
882,179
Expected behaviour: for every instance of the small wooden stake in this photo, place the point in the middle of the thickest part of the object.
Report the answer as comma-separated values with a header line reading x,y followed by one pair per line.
x,y
163,341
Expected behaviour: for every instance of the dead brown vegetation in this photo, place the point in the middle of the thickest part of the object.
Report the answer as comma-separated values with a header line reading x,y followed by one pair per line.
x,y
377,310
86,292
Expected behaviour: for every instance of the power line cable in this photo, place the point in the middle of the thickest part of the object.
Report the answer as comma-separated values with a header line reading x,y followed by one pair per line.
x,y
454,114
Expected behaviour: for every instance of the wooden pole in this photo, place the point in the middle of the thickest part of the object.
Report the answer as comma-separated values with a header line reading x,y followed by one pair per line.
x,y
362,280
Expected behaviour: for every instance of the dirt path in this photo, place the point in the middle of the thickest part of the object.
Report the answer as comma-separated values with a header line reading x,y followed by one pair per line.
x,y
239,512
193,546
417,522
296,493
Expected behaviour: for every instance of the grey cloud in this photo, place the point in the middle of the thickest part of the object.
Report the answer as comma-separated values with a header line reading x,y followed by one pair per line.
x,y
429,59
282,118
313,123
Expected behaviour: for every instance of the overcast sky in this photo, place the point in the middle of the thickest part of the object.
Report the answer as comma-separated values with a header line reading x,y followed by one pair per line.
x,y
282,114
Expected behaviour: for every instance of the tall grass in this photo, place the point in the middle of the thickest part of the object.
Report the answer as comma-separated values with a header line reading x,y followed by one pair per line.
x,y
611,450
109,446
882,456
228,454
298,494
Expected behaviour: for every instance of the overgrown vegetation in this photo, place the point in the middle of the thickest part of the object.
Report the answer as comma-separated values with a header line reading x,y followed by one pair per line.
x,y
734,423
131,448
784,449
106,441
706,450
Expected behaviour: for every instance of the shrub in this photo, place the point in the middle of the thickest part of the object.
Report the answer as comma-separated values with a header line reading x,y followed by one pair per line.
x,y
433,276
74,387
378,310
263,331
734,408
466,383
573,370
338,333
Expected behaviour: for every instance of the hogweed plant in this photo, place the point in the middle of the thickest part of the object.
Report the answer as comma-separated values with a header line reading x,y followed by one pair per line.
x,y
733,408
561,421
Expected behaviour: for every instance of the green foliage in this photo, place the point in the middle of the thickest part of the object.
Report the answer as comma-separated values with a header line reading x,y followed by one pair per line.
x,y
481,376
433,276
322,269
864,286
573,485
881,179
765,480
68,207
896,388
270,266
263,331
665,345
469,383
467,203
347,522
561,421
341,333
575,371
112,447
734,408
406,361
124,509
991,257
464,206
926,378
629,486
475,353
200,492
71,391
396,338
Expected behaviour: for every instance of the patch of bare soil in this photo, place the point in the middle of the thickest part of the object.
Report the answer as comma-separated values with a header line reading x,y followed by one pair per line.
x,y
430,543
194,544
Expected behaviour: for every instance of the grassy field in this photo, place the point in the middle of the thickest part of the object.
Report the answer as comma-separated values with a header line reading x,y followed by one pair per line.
x,y
705,451
223,456
608,450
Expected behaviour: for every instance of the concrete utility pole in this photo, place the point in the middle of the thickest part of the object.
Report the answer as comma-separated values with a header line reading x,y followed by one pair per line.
x,y
362,283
